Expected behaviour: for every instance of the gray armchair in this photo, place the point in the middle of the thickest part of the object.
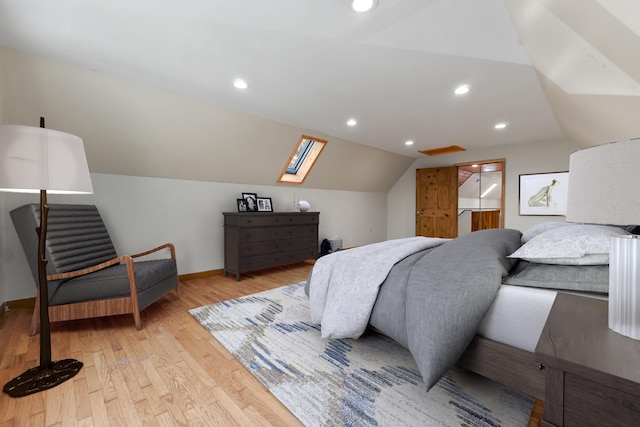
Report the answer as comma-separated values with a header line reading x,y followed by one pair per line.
x,y
85,276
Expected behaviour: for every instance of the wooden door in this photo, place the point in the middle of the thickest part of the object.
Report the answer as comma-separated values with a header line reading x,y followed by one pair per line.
x,y
437,202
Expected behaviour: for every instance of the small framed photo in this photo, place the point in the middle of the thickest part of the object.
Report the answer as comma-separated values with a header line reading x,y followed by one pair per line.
x,y
242,205
544,193
264,204
251,200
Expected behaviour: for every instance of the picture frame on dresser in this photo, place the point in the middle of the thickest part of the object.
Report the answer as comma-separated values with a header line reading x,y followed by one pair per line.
x,y
251,200
242,205
264,204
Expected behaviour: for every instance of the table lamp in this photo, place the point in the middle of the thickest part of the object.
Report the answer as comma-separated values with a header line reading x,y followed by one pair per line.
x,y
39,160
604,188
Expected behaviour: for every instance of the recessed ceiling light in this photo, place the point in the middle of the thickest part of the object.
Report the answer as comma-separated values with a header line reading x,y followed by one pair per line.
x,y
408,142
462,89
352,122
363,5
240,84
500,126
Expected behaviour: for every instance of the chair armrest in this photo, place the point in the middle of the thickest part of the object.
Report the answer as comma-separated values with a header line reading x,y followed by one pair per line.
x,y
76,273
172,249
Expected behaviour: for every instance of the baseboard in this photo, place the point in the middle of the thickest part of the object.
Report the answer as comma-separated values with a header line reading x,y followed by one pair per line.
x,y
218,272
27,303
200,275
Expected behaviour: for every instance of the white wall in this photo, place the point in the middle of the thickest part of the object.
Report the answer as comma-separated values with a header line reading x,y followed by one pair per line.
x,y
142,213
135,129
520,159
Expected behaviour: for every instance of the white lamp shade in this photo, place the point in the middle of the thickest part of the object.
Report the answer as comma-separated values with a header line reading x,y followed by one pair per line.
x,y
604,184
34,159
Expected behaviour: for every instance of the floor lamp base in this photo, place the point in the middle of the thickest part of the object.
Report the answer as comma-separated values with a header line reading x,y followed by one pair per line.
x,y
42,378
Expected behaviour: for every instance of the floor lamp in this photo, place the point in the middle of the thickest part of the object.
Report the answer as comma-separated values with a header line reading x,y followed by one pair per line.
x,y
39,160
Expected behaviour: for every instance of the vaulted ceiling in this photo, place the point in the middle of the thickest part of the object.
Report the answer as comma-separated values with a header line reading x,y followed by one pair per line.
x,y
549,69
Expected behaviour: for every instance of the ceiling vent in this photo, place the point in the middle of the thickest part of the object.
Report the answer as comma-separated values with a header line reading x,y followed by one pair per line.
x,y
443,150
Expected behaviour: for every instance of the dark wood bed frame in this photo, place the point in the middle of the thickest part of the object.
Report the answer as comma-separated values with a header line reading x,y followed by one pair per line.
x,y
507,365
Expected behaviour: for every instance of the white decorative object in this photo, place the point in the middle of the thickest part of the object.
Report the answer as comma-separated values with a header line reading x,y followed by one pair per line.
x,y
603,189
624,286
303,206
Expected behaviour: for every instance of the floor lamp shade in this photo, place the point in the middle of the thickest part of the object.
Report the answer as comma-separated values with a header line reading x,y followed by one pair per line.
x,y
34,159
604,188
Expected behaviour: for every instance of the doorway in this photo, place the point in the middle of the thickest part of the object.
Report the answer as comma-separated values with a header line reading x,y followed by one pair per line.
x,y
480,195
456,200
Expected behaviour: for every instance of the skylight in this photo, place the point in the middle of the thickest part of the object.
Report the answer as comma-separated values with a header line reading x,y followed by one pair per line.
x,y
302,159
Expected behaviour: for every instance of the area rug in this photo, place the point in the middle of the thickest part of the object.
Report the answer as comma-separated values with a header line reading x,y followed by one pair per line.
x,y
371,381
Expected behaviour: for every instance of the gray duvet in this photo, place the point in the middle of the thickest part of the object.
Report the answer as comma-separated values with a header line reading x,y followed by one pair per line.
x,y
432,302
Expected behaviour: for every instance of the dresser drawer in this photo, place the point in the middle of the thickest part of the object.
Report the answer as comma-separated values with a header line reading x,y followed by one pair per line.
x,y
271,220
300,255
261,248
248,235
303,243
262,261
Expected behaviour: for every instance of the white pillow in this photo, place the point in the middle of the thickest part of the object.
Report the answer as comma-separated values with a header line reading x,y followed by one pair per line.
x,y
541,228
574,244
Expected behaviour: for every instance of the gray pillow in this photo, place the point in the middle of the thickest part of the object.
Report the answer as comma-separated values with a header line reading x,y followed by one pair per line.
x,y
583,278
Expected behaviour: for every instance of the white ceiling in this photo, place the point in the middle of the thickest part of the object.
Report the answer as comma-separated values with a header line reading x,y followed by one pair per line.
x,y
315,63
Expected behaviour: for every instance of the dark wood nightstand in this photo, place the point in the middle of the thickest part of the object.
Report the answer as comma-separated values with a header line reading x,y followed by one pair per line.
x,y
592,374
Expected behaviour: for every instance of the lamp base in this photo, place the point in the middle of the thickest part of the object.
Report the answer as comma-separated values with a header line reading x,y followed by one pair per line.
x,y
624,278
42,378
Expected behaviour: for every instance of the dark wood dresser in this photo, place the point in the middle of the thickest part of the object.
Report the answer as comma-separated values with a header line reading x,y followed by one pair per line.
x,y
592,373
257,240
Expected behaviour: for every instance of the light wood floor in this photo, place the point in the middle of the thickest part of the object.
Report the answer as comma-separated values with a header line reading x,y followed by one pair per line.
x,y
172,372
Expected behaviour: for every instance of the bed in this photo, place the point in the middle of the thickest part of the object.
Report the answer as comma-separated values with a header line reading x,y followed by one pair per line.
x,y
479,301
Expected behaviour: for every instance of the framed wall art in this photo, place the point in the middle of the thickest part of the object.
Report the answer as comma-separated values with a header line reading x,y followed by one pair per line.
x,y
544,193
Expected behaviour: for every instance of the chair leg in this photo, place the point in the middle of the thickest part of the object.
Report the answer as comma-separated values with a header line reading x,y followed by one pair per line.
x,y
136,318
178,290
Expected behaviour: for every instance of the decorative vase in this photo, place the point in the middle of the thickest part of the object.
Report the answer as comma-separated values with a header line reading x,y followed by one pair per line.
x,y
303,205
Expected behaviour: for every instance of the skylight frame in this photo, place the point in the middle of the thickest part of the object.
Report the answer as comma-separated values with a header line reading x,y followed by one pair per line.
x,y
302,160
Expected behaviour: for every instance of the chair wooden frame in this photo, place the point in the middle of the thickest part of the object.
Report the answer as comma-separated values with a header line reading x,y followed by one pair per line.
x,y
106,307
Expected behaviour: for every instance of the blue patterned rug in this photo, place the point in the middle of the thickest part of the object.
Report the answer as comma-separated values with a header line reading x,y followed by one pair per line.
x,y
371,381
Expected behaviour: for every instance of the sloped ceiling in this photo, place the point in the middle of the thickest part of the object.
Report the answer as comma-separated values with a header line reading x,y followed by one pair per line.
x,y
551,69
587,57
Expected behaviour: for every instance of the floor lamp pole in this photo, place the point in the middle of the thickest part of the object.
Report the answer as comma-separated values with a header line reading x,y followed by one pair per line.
x,y
49,374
